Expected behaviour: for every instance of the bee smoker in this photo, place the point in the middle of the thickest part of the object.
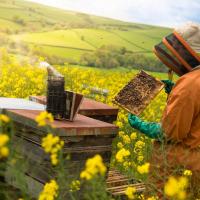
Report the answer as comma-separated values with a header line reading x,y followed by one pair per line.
x,y
56,98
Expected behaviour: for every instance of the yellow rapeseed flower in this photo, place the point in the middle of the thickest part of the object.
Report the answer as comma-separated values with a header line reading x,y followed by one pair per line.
x,y
52,145
50,191
187,172
121,133
176,187
4,151
140,158
139,144
93,167
126,139
119,124
3,139
126,164
4,118
121,154
133,136
143,169
120,145
129,192
75,185
43,118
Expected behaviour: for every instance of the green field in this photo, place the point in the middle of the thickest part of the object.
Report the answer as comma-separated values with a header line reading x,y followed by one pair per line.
x,y
70,53
6,24
73,40
68,34
61,38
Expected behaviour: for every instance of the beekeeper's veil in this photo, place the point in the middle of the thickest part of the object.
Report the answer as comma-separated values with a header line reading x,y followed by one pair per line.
x,y
180,51
190,32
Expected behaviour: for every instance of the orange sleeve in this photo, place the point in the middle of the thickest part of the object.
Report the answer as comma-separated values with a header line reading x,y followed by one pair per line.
x,y
179,112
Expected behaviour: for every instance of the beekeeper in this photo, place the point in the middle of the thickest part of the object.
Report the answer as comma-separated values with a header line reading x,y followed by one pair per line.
x,y
180,124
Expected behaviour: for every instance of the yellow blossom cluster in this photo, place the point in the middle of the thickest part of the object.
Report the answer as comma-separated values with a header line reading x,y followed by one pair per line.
x,y
93,167
50,191
133,135
139,145
187,172
43,118
122,154
4,118
19,78
143,169
129,192
52,145
75,185
4,150
126,139
130,150
120,145
176,187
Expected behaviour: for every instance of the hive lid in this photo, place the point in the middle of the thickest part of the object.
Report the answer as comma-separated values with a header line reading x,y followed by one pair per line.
x,y
82,125
138,93
18,104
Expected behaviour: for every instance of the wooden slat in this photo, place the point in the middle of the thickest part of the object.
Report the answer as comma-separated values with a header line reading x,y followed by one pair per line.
x,y
117,183
81,126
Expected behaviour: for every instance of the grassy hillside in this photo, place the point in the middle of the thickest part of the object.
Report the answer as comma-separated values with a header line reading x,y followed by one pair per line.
x,y
39,16
67,34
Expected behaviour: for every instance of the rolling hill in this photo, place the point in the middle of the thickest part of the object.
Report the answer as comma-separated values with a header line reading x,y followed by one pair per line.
x,y
68,34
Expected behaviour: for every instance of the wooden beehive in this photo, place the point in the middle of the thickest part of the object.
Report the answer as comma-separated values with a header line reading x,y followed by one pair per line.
x,y
138,93
83,138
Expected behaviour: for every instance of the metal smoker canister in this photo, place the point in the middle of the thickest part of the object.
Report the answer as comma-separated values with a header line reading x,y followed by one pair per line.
x,y
56,103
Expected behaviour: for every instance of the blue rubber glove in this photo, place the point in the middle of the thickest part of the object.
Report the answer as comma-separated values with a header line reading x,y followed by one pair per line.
x,y
168,85
150,129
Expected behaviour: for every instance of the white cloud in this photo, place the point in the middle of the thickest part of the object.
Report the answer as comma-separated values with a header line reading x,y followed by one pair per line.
x,y
158,12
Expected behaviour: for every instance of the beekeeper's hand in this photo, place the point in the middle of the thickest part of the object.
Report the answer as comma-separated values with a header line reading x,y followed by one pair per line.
x,y
168,85
150,129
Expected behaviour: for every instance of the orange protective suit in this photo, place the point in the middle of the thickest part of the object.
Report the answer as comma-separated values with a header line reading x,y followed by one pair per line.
x,y
181,126
181,118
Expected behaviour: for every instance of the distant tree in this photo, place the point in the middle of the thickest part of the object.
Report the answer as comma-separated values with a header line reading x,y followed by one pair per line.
x,y
18,20
88,59
112,56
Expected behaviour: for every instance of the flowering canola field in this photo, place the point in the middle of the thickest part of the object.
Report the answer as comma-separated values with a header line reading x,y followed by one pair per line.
x,y
131,150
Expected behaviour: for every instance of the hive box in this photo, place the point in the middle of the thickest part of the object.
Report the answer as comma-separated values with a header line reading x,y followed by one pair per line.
x,y
83,138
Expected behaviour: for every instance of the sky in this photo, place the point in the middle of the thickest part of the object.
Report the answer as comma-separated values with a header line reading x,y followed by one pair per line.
x,y
170,13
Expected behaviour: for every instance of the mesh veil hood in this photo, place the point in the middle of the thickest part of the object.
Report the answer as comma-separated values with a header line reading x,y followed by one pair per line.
x,y
190,32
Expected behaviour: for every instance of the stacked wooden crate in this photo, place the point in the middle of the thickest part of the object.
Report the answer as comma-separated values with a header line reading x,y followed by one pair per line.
x,y
84,138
